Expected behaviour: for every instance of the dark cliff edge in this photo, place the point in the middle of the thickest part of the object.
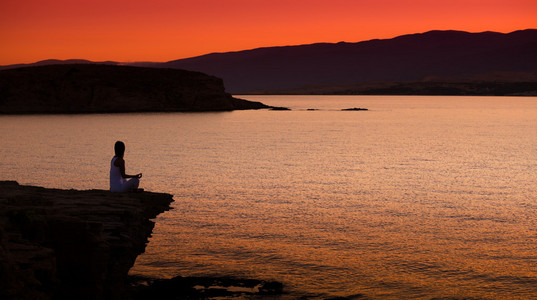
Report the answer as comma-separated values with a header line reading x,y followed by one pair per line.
x,y
94,88
69,244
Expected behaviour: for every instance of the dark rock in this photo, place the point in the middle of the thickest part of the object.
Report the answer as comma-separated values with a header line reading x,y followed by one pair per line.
x,y
280,108
93,88
68,244
354,109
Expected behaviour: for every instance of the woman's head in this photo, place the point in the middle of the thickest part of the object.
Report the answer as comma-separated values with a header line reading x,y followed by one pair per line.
x,y
119,149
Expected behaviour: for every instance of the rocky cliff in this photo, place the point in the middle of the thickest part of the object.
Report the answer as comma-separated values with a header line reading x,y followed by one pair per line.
x,y
68,244
94,88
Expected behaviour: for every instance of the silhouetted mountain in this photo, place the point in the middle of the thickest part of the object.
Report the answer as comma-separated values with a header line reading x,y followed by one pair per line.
x,y
92,88
453,57
48,62
405,58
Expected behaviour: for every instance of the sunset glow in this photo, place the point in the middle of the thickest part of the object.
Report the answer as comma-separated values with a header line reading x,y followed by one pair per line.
x,y
163,30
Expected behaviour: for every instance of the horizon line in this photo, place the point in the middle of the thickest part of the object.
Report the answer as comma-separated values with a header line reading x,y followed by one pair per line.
x,y
258,48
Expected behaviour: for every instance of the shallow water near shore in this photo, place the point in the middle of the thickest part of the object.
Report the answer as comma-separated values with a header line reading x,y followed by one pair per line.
x,y
418,197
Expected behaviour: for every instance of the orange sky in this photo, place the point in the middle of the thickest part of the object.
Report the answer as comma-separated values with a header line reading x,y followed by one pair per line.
x,y
163,30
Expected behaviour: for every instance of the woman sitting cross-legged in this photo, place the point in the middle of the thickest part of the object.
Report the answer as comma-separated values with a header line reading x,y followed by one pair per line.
x,y
119,181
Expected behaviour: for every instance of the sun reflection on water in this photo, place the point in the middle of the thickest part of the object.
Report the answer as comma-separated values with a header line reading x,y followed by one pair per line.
x,y
419,197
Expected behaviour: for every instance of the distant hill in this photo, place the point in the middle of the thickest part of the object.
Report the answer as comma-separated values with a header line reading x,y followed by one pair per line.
x,y
487,63
93,88
412,57
48,62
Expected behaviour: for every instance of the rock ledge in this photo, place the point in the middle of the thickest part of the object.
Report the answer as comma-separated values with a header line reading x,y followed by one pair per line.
x,y
69,244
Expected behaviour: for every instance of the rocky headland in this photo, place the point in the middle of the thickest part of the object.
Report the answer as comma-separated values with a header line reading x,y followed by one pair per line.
x,y
96,88
68,244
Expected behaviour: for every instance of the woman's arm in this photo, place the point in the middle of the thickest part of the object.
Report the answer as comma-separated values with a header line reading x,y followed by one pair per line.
x,y
120,163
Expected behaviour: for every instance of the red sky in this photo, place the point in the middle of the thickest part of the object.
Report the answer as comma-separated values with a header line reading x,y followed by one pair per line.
x,y
163,30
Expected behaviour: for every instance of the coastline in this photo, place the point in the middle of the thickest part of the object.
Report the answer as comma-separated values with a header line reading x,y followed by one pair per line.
x,y
69,244
93,88
73,244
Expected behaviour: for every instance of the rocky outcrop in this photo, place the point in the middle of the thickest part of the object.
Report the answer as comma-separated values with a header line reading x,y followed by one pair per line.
x,y
354,109
94,88
68,244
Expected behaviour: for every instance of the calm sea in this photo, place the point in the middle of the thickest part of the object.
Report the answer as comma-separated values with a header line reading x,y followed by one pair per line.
x,y
419,197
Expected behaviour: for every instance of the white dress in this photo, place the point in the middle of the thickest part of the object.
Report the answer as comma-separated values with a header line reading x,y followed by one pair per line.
x,y
118,183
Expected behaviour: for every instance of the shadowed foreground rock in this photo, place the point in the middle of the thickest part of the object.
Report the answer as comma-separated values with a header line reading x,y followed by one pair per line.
x,y
68,244
92,88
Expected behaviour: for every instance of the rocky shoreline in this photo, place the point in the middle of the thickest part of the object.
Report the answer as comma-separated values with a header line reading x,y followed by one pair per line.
x,y
68,244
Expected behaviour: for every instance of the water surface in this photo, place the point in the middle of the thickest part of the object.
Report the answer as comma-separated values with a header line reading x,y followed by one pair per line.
x,y
419,197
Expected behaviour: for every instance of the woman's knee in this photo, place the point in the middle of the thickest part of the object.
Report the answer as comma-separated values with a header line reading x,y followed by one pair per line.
x,y
133,183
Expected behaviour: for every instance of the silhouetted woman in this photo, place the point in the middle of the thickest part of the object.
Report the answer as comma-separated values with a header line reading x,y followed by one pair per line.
x,y
118,178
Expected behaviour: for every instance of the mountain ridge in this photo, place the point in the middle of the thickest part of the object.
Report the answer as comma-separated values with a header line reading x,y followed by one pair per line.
x,y
406,58
403,58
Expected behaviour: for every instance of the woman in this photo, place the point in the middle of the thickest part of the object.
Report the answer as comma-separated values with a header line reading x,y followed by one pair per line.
x,y
118,178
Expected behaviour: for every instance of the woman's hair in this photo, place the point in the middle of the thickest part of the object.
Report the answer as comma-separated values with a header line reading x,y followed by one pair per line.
x,y
119,148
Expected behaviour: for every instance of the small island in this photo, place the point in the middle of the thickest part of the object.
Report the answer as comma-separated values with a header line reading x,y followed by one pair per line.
x,y
96,88
354,109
